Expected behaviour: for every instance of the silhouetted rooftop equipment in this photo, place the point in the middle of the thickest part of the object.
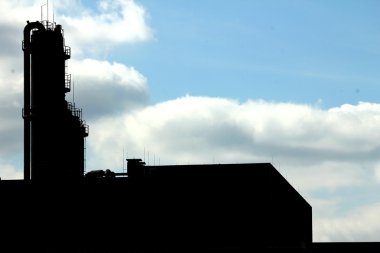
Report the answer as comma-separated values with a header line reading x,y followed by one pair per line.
x,y
53,128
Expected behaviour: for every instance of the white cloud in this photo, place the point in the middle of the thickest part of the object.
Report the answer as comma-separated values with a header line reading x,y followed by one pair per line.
x,y
328,175
199,129
10,109
114,22
324,207
359,225
377,172
321,158
17,12
113,89
9,171
87,30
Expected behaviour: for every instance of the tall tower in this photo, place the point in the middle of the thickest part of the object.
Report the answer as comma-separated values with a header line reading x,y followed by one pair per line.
x,y
54,132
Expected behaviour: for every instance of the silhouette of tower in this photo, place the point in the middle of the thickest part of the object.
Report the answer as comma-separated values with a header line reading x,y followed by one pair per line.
x,y
54,132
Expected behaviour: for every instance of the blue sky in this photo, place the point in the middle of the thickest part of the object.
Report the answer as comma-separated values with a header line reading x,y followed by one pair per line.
x,y
290,82
298,51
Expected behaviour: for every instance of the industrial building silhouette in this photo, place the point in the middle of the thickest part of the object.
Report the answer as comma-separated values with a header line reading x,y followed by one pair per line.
x,y
58,207
46,113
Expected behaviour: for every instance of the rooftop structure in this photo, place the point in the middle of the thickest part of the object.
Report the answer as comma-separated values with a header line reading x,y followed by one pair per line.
x,y
54,130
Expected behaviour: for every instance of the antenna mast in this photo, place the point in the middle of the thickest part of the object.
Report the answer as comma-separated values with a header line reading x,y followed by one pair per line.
x,y
73,91
47,11
53,12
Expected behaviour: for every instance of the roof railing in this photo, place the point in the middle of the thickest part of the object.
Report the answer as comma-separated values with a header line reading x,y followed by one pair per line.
x,y
86,128
67,51
67,82
76,112
48,25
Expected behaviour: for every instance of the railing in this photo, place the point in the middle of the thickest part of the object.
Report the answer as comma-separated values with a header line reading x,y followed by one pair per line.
x,y
48,25
76,112
67,82
86,128
67,51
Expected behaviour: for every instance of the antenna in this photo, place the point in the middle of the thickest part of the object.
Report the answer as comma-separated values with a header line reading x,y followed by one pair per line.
x,y
47,10
42,11
73,92
53,12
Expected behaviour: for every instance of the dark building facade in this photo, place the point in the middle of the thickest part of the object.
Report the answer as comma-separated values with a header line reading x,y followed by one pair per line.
x,y
185,208
54,131
229,206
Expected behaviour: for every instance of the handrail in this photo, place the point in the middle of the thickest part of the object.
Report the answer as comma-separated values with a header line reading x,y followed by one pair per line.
x,y
86,129
48,25
67,51
76,112
68,82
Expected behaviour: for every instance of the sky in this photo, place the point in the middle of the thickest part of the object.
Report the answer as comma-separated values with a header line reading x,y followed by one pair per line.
x,y
292,82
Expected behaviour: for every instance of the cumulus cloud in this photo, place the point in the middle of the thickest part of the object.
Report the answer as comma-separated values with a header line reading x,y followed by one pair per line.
x,y
13,15
9,171
104,88
323,153
377,172
185,128
359,225
114,22
329,175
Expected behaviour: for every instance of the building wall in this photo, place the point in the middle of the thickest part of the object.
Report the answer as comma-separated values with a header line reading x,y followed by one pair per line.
x,y
245,204
200,207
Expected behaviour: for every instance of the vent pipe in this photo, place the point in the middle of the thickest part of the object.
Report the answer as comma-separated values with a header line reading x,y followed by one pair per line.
x,y
26,111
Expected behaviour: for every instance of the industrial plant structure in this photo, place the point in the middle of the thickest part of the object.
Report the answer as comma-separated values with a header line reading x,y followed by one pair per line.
x,y
47,115
172,208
